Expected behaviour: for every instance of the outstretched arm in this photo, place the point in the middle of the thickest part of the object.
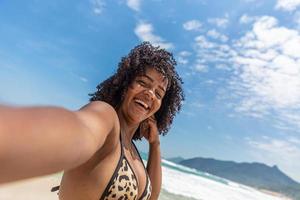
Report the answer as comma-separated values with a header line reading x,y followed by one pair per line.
x,y
41,140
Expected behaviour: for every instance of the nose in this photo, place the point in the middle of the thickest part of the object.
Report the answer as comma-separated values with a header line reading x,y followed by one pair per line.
x,y
150,93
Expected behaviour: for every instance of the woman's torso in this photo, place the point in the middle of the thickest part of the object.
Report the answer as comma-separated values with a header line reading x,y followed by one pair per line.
x,y
90,180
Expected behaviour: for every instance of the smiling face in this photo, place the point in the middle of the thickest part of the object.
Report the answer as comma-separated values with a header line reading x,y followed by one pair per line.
x,y
144,96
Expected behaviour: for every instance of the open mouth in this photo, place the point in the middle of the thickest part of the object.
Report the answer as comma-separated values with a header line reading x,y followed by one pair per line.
x,y
142,104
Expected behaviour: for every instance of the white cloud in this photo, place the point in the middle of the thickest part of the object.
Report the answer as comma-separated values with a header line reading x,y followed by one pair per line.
x,y
223,66
249,1
283,153
192,25
292,117
98,6
197,105
216,35
245,19
294,140
182,60
134,4
278,76
210,82
220,22
202,42
209,52
183,57
83,79
267,31
200,68
185,53
145,33
287,5
297,19
284,149
267,72
265,69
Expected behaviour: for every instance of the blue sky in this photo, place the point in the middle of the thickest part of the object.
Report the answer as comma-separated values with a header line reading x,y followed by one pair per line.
x,y
239,60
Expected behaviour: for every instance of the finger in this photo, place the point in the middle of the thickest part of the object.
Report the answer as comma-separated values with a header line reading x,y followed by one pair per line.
x,y
152,119
145,126
143,129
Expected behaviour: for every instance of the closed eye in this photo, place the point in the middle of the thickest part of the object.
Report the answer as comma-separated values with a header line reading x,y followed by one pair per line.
x,y
146,85
158,95
141,82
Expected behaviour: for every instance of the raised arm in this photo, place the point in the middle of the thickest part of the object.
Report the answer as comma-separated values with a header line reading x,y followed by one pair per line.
x,y
42,140
154,168
150,132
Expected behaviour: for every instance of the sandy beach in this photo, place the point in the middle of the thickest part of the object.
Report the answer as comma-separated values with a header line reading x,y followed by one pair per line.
x,y
39,188
32,189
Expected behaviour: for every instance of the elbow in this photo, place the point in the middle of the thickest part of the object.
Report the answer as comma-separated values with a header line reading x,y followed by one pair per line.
x,y
154,196
155,192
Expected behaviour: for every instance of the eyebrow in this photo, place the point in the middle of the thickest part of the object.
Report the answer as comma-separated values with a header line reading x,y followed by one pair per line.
x,y
151,79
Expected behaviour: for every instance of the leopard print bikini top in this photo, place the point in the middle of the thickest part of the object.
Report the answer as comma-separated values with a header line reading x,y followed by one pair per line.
x,y
123,183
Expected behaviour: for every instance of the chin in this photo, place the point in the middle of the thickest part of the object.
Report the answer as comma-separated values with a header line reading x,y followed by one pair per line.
x,y
135,118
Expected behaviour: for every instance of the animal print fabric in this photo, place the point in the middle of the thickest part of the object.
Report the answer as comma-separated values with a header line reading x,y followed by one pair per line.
x,y
147,192
123,184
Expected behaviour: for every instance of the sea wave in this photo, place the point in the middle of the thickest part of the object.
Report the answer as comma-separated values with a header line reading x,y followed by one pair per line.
x,y
186,183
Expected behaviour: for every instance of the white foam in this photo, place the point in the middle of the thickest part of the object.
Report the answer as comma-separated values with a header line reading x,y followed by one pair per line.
x,y
198,187
178,166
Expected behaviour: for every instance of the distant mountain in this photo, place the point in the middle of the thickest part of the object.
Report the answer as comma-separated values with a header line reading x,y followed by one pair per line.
x,y
176,159
256,175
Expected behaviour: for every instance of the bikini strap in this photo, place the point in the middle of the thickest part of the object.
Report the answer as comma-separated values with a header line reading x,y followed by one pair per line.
x,y
53,189
147,175
56,188
122,145
138,154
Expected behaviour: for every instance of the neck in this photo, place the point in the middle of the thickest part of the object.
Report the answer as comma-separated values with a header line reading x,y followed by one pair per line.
x,y
127,127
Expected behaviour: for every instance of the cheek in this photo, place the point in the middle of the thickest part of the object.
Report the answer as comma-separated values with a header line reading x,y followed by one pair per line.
x,y
156,106
131,91
135,88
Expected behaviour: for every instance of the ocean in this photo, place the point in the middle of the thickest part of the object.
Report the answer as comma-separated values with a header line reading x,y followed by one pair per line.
x,y
178,183
183,183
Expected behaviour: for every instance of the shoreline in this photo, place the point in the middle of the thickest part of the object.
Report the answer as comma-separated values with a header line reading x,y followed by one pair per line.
x,y
40,188
275,194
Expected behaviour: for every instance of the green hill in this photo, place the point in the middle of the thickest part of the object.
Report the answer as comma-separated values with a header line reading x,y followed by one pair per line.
x,y
256,175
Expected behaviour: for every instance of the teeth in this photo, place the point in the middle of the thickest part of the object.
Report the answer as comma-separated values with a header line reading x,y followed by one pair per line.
x,y
143,103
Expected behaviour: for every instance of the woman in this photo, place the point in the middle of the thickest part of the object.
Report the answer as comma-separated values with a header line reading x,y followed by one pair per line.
x,y
94,145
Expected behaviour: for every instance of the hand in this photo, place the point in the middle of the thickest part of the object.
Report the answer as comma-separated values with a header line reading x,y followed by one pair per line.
x,y
149,130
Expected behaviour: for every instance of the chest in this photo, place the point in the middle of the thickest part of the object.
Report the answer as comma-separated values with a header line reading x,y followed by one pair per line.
x,y
119,174
129,179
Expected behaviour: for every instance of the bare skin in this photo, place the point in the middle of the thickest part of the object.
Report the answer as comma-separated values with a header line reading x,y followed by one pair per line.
x,y
89,180
36,141
86,145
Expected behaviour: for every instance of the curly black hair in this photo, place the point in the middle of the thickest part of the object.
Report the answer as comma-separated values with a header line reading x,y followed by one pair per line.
x,y
139,59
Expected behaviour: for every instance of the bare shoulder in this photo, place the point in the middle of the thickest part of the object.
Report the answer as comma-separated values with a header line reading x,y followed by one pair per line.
x,y
98,110
99,106
100,118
